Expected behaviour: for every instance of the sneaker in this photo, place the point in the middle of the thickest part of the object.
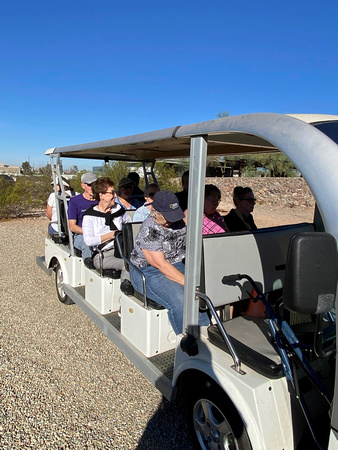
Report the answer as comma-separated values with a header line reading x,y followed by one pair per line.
x,y
127,287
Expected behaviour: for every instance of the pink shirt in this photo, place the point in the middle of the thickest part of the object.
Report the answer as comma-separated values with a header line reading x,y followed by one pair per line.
x,y
214,225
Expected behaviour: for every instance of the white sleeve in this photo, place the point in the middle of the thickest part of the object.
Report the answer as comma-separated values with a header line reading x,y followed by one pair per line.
x,y
51,200
88,229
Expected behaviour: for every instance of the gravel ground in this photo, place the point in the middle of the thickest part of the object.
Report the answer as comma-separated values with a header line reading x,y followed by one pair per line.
x,y
64,385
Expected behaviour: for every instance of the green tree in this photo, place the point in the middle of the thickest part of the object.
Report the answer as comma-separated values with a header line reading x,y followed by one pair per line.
x,y
73,170
182,166
26,194
166,176
75,183
278,164
45,170
115,170
26,168
223,114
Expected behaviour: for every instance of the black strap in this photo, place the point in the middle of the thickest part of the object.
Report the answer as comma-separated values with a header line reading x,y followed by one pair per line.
x,y
102,246
108,216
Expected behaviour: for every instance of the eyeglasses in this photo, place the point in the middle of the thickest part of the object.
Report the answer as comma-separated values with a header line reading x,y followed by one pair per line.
x,y
110,192
213,201
158,215
129,186
250,200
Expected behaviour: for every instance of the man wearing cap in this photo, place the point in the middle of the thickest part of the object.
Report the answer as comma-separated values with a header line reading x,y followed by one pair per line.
x,y
159,253
137,192
124,197
77,206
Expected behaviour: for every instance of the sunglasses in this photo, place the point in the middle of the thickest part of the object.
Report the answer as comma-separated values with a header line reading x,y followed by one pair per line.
x,y
151,194
128,186
250,200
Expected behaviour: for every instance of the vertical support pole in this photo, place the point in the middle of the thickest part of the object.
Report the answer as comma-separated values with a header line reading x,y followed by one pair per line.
x,y
54,176
198,156
149,171
56,171
59,175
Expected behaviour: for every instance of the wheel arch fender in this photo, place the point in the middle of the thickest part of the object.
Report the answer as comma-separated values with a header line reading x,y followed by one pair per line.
x,y
204,373
54,261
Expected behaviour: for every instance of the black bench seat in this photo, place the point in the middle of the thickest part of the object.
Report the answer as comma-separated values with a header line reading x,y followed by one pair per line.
x,y
253,343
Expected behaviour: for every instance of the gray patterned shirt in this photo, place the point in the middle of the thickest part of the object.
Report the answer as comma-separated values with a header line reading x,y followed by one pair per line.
x,y
154,237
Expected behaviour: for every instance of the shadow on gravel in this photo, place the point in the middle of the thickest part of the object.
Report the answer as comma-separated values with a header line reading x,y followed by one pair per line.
x,y
167,429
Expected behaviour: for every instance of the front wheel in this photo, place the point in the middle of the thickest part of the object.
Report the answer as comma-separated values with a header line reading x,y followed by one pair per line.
x,y
214,421
59,284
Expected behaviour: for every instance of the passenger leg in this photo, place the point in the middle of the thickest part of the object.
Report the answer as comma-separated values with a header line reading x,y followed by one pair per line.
x,y
51,230
79,243
111,262
165,292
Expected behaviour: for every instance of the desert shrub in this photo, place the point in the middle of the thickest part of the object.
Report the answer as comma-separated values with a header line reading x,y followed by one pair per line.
x,y
115,170
25,194
167,177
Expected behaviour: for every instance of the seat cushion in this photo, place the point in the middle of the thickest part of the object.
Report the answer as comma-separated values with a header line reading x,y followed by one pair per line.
x,y
253,343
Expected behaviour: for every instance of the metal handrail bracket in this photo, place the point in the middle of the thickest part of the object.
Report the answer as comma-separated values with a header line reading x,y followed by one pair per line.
x,y
237,363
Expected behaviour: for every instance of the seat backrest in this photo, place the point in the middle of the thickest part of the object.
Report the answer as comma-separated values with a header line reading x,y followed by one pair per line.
x,y
311,273
131,213
260,254
63,217
129,233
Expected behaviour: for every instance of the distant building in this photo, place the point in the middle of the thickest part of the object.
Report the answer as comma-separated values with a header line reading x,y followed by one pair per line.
x,y
9,170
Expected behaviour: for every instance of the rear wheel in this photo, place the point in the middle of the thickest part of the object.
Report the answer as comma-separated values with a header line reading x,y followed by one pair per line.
x,y
214,421
59,284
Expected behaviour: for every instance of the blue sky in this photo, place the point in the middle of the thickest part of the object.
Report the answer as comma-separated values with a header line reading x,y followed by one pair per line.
x,y
80,71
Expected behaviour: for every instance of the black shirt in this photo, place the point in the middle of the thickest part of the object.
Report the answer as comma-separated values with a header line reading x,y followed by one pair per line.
x,y
182,199
235,223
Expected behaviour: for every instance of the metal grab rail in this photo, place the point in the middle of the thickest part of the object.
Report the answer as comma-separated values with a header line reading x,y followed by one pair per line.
x,y
237,363
117,243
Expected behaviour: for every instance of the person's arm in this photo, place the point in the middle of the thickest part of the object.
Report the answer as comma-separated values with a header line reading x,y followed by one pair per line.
x,y
157,260
108,236
138,216
49,212
74,228
73,213
91,239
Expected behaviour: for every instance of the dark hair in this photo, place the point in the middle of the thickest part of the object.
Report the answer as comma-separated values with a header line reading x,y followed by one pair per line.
x,y
100,186
210,188
135,177
185,176
151,186
240,192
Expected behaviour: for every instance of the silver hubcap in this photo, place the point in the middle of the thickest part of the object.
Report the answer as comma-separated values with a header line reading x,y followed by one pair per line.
x,y
59,283
212,429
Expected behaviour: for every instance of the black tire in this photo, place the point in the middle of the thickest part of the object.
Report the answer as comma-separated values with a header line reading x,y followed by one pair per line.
x,y
213,420
60,286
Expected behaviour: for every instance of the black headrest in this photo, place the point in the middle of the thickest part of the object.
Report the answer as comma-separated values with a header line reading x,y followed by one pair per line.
x,y
311,269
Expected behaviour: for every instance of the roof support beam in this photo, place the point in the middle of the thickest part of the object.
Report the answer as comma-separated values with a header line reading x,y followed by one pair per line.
x,y
198,156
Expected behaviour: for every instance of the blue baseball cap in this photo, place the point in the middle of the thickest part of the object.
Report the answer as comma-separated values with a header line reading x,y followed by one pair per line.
x,y
166,203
